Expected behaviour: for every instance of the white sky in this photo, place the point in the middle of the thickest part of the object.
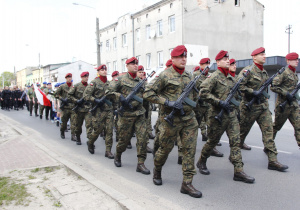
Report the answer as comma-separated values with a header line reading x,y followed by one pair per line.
x,y
61,31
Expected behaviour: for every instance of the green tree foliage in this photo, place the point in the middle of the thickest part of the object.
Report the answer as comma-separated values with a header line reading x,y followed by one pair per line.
x,y
8,77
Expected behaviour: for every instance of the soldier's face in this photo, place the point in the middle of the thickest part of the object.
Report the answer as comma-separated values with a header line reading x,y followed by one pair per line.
x,y
140,74
259,58
49,86
179,61
132,67
85,78
232,67
203,66
102,72
293,63
69,79
224,62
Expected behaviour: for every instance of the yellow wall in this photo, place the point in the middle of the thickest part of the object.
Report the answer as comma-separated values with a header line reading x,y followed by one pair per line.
x,y
21,78
37,75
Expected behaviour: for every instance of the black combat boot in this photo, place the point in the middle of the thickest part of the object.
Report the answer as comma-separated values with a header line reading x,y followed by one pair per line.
x,y
157,177
41,116
142,168
129,146
204,137
62,134
151,136
36,115
202,167
188,188
117,161
91,147
179,161
78,140
73,137
243,177
109,155
245,147
275,165
216,153
149,150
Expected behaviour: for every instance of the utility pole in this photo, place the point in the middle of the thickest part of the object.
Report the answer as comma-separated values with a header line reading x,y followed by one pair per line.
x,y
98,42
289,32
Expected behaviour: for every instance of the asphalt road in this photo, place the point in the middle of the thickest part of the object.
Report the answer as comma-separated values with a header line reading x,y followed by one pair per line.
x,y
271,190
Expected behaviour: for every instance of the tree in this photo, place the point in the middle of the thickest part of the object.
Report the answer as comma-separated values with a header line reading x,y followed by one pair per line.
x,y
8,77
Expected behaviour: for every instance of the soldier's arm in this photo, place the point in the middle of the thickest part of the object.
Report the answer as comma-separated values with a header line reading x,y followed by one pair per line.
x,y
243,85
153,89
206,91
71,94
112,91
58,93
277,83
88,92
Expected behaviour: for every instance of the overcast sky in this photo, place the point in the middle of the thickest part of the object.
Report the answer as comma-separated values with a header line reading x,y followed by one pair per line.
x,y
63,32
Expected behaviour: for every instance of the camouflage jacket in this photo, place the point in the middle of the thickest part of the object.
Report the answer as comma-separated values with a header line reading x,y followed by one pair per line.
x,y
96,89
199,82
62,93
169,85
76,93
284,83
31,93
255,79
123,85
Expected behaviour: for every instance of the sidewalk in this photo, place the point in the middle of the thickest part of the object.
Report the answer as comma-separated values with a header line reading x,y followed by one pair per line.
x,y
23,159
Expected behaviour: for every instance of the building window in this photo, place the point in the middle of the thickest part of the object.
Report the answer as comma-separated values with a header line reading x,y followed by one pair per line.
x,y
148,61
124,40
100,46
171,5
138,35
107,45
79,66
172,23
237,3
160,59
148,30
115,43
138,57
115,65
124,64
108,67
159,28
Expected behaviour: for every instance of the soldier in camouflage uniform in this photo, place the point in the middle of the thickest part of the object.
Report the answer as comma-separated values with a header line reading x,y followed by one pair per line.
x,y
103,117
165,90
259,112
215,91
42,107
67,113
133,118
114,76
75,95
283,85
32,101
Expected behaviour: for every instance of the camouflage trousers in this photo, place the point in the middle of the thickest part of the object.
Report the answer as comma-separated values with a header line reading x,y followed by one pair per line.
x,y
291,113
263,117
79,118
126,127
202,117
103,120
187,130
148,120
66,115
42,107
215,130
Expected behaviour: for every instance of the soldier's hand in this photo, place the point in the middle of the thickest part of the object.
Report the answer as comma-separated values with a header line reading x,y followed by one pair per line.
x,y
123,101
225,106
289,97
64,100
80,101
170,103
256,93
99,101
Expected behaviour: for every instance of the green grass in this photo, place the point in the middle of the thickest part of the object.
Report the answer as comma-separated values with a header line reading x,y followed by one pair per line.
x,y
57,204
35,170
48,169
10,192
31,177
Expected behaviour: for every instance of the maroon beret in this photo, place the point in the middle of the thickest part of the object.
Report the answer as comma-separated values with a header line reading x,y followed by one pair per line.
x,y
221,55
204,60
257,51
140,68
103,66
232,61
292,56
86,73
115,73
132,60
169,63
196,68
68,75
179,50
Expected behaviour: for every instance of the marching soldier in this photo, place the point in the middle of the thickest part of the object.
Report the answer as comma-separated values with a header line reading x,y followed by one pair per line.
x,y
103,117
259,112
6,97
215,91
283,85
114,76
42,107
75,95
67,113
32,101
165,90
132,118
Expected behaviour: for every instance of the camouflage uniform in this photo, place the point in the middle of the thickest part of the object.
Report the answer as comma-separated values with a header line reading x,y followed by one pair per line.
x,y
67,113
169,85
214,89
102,119
259,112
32,96
131,120
82,113
282,84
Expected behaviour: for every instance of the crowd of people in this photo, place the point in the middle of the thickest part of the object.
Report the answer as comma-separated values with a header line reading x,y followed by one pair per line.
x,y
216,102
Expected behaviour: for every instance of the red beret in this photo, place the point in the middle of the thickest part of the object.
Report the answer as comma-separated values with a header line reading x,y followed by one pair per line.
x,y
132,60
257,51
292,56
232,61
204,60
179,50
169,63
103,66
221,55
140,68
115,73
86,73
68,75
196,68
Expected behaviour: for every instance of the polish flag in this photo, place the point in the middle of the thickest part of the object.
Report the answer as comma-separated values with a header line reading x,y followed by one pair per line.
x,y
41,96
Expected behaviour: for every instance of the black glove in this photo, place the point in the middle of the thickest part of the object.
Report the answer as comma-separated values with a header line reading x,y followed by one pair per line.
x,y
64,100
80,101
256,93
289,97
170,103
123,101
99,101
225,106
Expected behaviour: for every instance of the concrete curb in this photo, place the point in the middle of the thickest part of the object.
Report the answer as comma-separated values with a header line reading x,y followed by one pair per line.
x,y
120,198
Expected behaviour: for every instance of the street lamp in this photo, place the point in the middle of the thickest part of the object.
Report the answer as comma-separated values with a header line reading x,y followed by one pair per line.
x,y
97,33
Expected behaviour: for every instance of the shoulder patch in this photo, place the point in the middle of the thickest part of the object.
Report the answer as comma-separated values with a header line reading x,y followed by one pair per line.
x,y
116,79
245,70
208,76
73,85
91,84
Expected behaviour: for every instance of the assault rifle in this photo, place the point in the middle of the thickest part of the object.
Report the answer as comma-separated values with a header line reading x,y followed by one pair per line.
x,y
293,93
262,91
64,102
230,96
79,104
100,104
132,95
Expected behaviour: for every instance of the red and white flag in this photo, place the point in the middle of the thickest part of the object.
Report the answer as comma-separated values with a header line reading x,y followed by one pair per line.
x,y
41,96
